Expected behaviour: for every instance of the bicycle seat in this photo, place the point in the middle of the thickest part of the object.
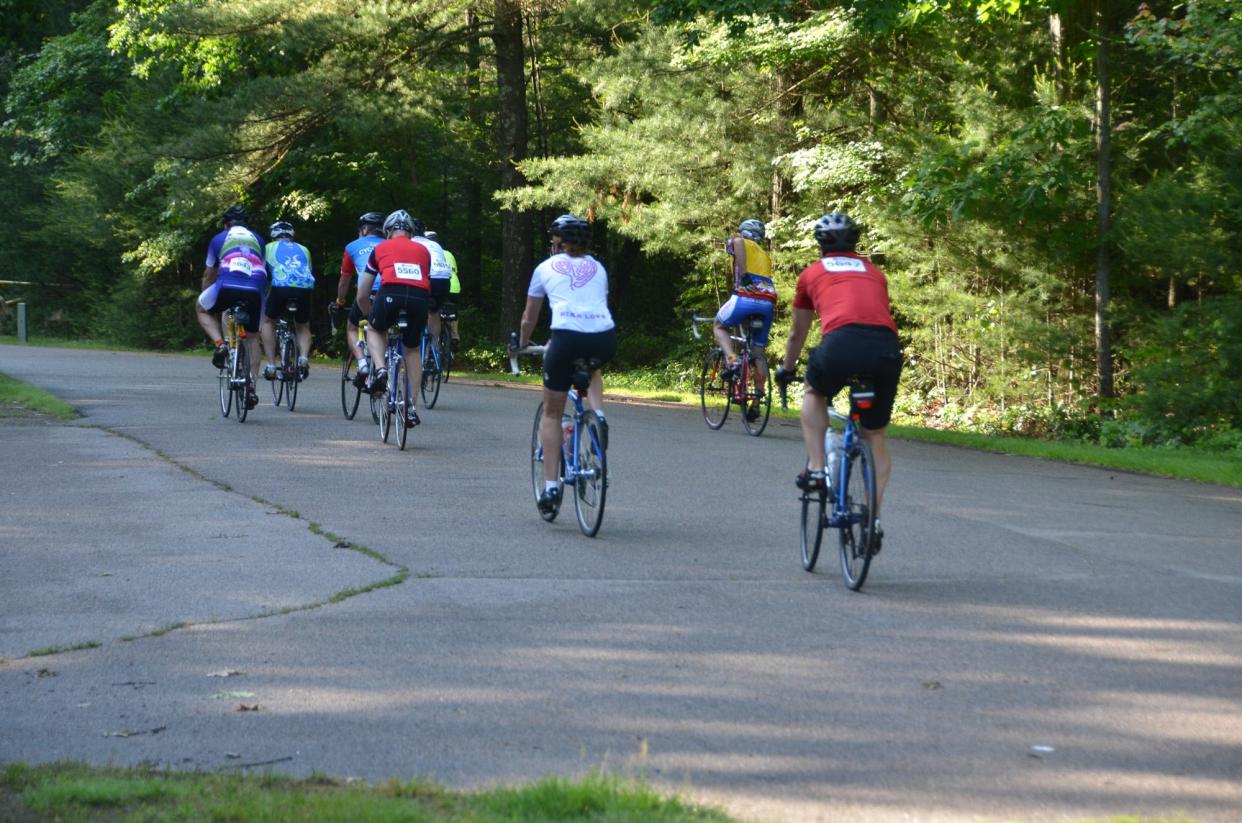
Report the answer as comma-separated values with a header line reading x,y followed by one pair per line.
x,y
403,320
862,393
448,312
241,316
755,321
583,366
291,307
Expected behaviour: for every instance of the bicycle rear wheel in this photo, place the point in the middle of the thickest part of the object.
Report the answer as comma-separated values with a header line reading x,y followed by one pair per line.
x,y
446,352
377,407
714,390
226,389
278,384
387,410
591,483
536,464
350,394
290,355
240,378
756,397
405,399
812,527
431,379
859,524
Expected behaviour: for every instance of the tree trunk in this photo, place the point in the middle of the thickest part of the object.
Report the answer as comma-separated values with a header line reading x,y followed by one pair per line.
x,y
471,259
1103,188
515,227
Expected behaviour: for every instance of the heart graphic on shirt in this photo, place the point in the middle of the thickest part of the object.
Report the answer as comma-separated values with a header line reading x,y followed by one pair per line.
x,y
579,271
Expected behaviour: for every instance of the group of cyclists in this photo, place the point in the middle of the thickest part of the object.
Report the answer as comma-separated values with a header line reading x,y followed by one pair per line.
x,y
400,267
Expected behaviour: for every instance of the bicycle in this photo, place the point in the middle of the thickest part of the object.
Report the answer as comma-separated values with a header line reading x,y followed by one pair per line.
x,y
848,504
583,458
351,382
235,379
398,397
448,314
745,387
288,375
433,374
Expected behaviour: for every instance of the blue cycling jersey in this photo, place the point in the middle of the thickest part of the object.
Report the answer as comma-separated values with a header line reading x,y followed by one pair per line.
x,y
357,254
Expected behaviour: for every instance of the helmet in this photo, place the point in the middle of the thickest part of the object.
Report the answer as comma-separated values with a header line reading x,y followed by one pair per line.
x,y
418,227
371,219
235,214
431,235
751,229
399,219
281,228
837,232
571,229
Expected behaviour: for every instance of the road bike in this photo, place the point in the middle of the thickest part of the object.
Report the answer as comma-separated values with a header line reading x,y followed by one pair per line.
x,y
848,504
398,399
288,375
352,382
744,386
583,458
235,380
433,375
448,314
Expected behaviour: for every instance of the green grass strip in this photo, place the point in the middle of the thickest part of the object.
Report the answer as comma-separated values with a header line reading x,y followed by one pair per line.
x,y
20,399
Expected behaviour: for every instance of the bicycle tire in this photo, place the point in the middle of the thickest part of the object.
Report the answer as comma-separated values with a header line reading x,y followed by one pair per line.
x,y
756,399
377,407
536,464
292,353
856,531
401,383
278,384
430,384
386,413
591,483
240,379
351,395
714,390
813,506
446,351
226,391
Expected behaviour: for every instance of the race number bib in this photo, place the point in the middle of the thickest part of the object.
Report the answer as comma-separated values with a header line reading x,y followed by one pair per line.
x,y
242,266
843,264
408,271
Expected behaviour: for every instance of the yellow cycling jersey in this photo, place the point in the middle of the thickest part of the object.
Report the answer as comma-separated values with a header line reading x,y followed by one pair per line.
x,y
454,283
756,261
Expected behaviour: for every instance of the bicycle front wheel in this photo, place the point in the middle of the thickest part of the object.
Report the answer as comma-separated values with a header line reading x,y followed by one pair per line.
x,y
591,482
226,391
859,523
714,390
289,364
812,527
388,410
431,380
536,464
756,397
350,394
241,380
405,400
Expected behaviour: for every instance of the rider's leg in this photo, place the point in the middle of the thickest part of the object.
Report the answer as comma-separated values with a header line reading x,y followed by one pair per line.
x,y
377,341
814,427
878,440
268,332
550,433
433,327
761,360
304,338
252,348
414,365
722,339
209,322
351,336
595,393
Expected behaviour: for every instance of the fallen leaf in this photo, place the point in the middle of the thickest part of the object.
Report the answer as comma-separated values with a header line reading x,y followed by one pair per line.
x,y
232,755
244,708
933,685
45,673
344,544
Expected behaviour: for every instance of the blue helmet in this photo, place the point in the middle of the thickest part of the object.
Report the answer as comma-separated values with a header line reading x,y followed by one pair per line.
x,y
752,229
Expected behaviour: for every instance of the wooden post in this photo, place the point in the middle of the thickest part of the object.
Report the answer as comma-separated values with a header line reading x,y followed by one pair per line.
x,y
21,323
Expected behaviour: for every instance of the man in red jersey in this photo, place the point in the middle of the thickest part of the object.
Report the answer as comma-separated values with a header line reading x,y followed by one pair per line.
x,y
850,295
404,268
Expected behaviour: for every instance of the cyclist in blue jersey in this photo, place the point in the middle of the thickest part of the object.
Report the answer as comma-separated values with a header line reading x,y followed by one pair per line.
x,y
353,264
292,281
235,274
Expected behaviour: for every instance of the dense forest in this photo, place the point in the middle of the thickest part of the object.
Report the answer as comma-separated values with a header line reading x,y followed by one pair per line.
x,y
1054,187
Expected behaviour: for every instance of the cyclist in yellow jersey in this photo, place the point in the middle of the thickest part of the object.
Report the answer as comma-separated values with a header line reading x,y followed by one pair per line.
x,y
454,292
754,293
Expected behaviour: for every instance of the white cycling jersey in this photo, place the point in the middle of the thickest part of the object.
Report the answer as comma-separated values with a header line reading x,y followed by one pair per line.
x,y
577,291
440,268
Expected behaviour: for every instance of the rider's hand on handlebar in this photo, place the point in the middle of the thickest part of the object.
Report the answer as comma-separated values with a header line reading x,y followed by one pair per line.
x,y
784,378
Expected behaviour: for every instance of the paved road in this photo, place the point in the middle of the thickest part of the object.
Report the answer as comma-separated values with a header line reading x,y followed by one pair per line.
x,y
1017,604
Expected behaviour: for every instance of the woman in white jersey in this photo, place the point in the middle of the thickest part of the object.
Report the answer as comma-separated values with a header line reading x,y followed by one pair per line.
x,y
576,286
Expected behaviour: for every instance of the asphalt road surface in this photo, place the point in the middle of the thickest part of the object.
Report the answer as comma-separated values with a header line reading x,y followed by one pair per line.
x,y
1037,641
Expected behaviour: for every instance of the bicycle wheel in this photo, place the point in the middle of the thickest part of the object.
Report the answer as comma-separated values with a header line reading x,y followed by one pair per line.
x,y
860,515
226,390
757,397
289,365
240,379
431,379
714,390
387,411
377,407
812,527
536,465
446,352
591,484
278,385
350,394
405,399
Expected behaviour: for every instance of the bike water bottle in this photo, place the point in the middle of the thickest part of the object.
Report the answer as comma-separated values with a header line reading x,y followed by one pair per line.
x,y
832,443
567,434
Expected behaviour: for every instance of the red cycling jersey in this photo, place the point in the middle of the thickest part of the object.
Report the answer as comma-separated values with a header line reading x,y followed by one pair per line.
x,y
845,289
401,262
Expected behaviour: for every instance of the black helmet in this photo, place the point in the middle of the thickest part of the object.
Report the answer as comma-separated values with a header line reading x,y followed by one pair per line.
x,y
371,220
751,229
235,214
571,229
399,220
837,232
418,227
281,228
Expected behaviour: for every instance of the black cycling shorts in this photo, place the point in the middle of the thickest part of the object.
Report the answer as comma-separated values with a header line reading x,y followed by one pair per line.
x,y
355,312
279,298
858,351
439,293
389,302
567,346
252,301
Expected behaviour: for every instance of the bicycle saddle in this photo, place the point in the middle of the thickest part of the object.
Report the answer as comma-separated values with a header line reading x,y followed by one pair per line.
x,y
403,319
583,367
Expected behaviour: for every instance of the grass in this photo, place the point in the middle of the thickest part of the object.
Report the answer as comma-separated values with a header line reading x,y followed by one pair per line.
x,y
68,791
50,650
19,400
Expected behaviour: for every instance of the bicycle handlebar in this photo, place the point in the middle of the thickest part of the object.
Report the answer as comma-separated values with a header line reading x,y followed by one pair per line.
x,y
514,351
784,384
695,320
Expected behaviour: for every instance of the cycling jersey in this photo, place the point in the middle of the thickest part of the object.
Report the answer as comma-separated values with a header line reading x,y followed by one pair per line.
x,y
237,254
454,283
577,291
357,253
401,261
845,289
440,269
290,264
756,278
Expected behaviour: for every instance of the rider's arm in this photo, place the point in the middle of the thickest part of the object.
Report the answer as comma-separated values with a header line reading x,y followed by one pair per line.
x,y
802,320
737,250
209,275
530,316
347,274
364,292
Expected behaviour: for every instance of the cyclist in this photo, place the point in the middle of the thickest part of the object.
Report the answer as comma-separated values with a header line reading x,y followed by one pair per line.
x,y
454,295
859,338
576,286
235,274
291,281
754,293
354,262
402,266
441,279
